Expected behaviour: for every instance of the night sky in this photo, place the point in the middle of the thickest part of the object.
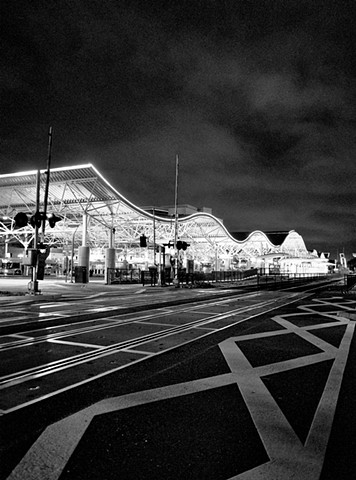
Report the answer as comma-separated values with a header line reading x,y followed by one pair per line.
x,y
256,96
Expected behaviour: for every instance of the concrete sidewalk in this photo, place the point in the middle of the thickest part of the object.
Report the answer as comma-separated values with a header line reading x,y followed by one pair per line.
x,y
57,285
10,286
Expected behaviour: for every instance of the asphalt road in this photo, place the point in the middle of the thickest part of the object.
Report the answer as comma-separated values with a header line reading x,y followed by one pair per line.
x,y
256,385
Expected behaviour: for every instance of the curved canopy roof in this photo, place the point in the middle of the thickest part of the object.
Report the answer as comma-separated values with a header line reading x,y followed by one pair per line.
x,y
276,238
79,192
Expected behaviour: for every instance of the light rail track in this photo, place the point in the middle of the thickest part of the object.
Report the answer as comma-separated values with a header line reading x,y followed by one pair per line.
x,y
251,304
78,359
206,325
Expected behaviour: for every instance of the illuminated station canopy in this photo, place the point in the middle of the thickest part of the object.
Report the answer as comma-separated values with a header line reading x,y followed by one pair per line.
x,y
81,196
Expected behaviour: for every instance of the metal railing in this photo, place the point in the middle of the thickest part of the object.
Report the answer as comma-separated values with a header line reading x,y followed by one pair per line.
x,y
123,276
150,277
266,279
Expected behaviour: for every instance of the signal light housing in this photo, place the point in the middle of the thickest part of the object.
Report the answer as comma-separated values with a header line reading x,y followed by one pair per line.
x,y
53,219
36,219
143,241
21,220
182,245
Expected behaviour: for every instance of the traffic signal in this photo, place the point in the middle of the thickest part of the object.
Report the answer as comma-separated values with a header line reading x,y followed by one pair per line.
x,y
53,219
21,220
143,241
182,245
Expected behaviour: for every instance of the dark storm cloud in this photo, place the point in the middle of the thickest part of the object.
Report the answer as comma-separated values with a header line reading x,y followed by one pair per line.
x,y
257,97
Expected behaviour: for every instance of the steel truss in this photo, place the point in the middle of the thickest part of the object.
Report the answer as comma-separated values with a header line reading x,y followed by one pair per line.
x,y
112,220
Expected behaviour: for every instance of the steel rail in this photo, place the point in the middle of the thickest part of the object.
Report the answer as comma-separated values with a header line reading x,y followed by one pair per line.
x,y
185,307
62,364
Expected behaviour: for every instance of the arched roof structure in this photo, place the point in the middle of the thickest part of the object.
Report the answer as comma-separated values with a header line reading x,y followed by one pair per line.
x,y
79,192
